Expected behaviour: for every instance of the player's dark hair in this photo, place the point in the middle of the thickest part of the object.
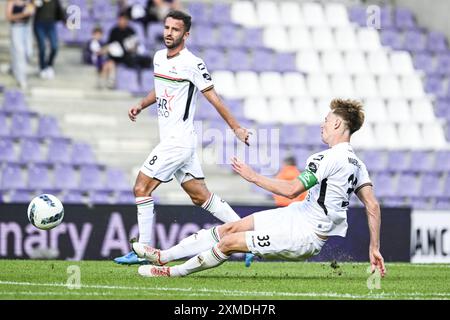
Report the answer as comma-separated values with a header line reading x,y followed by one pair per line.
x,y
351,111
180,15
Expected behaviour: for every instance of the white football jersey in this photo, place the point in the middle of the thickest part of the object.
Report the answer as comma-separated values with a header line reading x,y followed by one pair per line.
x,y
339,173
177,82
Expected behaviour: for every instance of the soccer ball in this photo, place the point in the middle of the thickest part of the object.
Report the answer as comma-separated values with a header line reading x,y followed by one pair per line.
x,y
45,212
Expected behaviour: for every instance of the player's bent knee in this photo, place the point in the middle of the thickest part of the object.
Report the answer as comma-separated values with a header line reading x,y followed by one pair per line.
x,y
141,190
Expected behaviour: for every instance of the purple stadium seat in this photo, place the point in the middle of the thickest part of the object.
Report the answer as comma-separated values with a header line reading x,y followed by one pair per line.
x,y
291,135
285,62
116,180
391,38
229,36
205,110
12,177
357,14
125,197
4,128
203,35
90,178
100,197
420,161
437,42
104,10
73,197
39,177
221,12
22,195
435,85
252,38
236,107
375,160
7,153
301,156
262,60
414,41
441,107
127,79
431,185
442,203
404,18
443,63
424,61
65,177
21,125
383,184
313,135
446,188
14,100
147,81
155,33
48,127
82,154
398,160
238,60
407,185
442,161
214,59
419,203
59,151
199,11
386,17
31,150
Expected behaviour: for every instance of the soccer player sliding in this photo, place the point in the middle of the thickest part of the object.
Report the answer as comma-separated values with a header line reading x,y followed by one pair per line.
x,y
296,232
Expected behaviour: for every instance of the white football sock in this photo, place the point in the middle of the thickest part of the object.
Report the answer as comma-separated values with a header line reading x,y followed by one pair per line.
x,y
206,260
194,244
145,215
220,209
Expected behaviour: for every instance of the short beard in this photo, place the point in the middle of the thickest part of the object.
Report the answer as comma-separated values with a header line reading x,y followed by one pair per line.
x,y
175,43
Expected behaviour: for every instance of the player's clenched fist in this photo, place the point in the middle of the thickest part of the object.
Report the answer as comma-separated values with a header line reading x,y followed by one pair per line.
x,y
133,112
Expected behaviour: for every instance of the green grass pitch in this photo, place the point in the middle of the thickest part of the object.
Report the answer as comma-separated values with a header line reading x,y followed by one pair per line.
x,y
46,279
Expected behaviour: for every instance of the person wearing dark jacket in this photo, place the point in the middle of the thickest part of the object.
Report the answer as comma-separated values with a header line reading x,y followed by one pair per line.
x,y
48,13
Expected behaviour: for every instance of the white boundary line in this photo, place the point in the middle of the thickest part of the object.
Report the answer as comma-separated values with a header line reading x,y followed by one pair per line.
x,y
239,293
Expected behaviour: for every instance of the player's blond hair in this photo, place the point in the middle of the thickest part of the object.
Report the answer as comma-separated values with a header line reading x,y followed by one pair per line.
x,y
351,111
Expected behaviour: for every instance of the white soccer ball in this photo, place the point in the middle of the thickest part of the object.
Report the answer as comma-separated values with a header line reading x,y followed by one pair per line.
x,y
45,212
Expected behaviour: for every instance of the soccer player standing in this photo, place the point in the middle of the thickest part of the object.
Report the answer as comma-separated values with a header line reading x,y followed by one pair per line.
x,y
179,76
296,232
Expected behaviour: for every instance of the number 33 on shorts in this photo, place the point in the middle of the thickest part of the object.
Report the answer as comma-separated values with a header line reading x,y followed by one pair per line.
x,y
263,241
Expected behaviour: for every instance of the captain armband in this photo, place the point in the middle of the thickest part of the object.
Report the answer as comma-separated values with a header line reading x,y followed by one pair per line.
x,y
308,179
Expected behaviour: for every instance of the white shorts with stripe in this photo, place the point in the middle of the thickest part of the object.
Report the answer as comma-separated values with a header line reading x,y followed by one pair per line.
x,y
172,157
283,234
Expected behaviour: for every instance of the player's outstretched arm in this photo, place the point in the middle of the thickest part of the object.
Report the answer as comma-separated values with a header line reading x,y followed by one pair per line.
x,y
285,188
213,98
367,197
147,101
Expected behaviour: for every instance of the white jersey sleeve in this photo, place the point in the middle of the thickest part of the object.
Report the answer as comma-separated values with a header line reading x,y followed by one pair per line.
x,y
363,178
200,76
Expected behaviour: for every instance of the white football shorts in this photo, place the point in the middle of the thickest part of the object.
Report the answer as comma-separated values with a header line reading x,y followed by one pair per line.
x,y
283,233
170,158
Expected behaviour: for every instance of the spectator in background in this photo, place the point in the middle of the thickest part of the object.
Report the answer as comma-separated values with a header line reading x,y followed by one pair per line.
x,y
19,14
48,13
153,11
289,171
123,47
94,54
